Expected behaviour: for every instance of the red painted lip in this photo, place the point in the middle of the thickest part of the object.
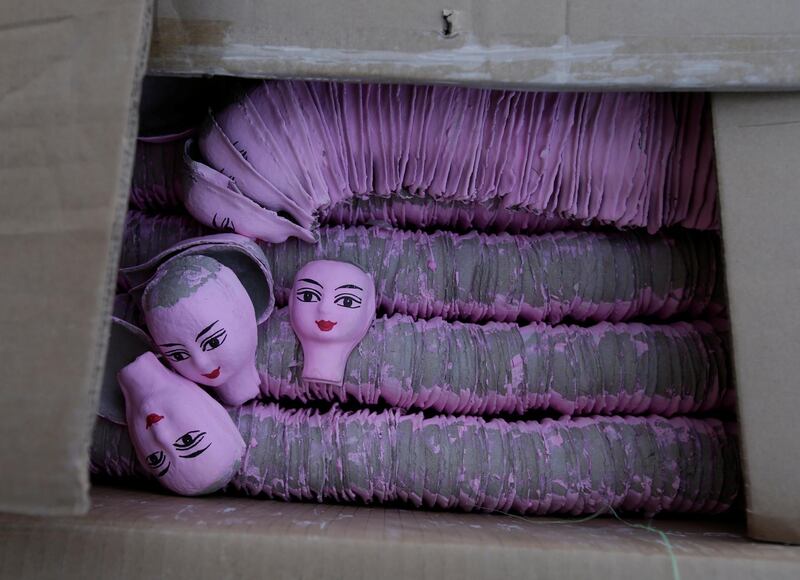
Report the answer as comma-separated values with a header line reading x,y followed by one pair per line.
x,y
213,374
325,325
152,419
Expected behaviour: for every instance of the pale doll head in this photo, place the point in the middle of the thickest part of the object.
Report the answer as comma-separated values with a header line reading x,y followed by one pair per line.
x,y
331,308
181,435
203,321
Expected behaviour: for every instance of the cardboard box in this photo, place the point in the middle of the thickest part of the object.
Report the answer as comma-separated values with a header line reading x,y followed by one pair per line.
x,y
758,147
535,44
130,534
70,86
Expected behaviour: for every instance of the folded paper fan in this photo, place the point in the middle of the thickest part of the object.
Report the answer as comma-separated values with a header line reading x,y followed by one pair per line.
x,y
503,368
296,149
578,275
570,466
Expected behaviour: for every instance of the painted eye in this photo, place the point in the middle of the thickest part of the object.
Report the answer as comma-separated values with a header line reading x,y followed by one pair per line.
x,y
225,224
215,340
189,440
348,301
306,295
177,355
156,460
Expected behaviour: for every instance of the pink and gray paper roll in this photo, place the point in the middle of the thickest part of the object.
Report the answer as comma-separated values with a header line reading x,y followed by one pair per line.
x,y
475,277
578,275
503,368
146,235
570,466
157,181
626,159
406,211
343,155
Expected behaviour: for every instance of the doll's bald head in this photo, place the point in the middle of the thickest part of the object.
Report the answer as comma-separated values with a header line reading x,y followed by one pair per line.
x,y
203,321
180,278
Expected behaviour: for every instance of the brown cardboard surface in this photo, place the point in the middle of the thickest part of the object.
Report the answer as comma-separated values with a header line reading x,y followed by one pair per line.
x,y
134,534
69,77
758,150
620,44
70,80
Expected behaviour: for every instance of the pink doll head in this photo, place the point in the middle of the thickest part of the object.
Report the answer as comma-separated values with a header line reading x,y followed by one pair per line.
x,y
331,307
181,435
202,320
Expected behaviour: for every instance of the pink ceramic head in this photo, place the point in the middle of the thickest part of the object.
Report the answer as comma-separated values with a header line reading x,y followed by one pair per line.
x,y
181,435
202,320
331,307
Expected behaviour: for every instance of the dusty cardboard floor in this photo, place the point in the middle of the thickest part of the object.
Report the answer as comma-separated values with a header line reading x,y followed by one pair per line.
x,y
140,534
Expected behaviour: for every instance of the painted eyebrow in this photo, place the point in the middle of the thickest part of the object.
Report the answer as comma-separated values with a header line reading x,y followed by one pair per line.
x,y
206,329
171,344
353,286
310,281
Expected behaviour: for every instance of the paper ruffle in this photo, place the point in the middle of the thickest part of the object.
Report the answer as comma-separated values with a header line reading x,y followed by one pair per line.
x,y
501,368
157,183
569,466
625,159
578,275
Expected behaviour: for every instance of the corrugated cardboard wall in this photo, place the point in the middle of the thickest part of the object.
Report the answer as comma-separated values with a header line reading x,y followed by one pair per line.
x,y
553,44
70,75
758,157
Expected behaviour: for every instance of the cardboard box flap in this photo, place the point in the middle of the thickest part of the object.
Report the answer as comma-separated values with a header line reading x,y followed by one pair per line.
x,y
758,140
70,80
584,44
134,534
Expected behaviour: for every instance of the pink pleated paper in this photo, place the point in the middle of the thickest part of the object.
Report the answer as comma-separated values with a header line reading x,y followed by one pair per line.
x,y
626,159
581,275
157,181
572,466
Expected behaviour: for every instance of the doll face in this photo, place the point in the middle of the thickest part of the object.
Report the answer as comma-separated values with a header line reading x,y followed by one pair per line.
x,y
187,448
181,435
210,335
331,302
